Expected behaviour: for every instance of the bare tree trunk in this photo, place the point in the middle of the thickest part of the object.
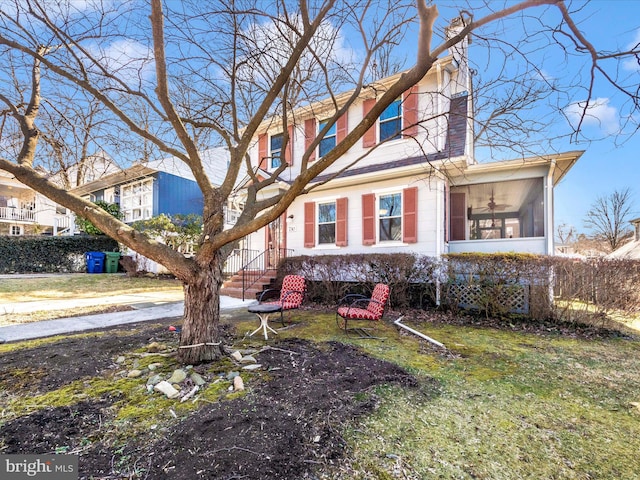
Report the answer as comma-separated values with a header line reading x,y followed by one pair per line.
x,y
200,337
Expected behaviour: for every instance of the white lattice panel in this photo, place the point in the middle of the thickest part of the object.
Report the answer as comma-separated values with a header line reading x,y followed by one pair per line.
x,y
515,298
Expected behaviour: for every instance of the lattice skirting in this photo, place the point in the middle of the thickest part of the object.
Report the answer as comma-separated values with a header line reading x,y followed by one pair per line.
x,y
514,298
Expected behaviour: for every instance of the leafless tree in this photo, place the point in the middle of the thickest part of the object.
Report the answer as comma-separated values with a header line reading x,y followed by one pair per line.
x,y
214,73
608,218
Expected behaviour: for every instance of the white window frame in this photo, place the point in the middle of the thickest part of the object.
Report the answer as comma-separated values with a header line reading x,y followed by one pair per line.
x,y
332,133
280,152
397,118
136,200
12,230
379,196
335,221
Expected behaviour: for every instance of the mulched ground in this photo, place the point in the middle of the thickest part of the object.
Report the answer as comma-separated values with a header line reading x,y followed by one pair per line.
x,y
287,427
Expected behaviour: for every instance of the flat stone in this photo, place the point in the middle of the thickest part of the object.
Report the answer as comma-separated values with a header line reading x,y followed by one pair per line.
x,y
197,379
177,376
237,356
166,388
232,375
255,366
120,359
154,380
248,359
238,384
155,347
154,366
134,373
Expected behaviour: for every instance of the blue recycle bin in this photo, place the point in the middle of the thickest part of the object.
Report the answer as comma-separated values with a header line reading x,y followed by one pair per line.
x,y
95,262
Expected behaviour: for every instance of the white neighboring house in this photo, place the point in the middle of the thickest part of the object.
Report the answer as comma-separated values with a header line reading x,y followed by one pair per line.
x,y
419,189
630,250
26,212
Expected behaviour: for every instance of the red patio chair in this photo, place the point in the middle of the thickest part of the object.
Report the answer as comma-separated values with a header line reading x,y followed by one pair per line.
x,y
359,307
291,294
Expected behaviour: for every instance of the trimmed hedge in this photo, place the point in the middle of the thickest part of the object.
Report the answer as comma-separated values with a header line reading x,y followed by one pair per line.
x,y
330,277
495,285
43,254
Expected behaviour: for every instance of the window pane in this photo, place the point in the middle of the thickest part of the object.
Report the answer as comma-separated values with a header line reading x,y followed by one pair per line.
x,y
392,111
390,229
390,205
326,212
510,209
276,151
276,142
326,145
328,142
390,130
327,233
331,132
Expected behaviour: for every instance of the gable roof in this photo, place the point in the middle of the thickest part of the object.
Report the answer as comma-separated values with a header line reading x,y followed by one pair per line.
x,y
214,161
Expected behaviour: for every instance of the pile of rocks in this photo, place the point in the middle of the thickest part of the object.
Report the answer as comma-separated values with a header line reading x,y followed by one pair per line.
x,y
178,383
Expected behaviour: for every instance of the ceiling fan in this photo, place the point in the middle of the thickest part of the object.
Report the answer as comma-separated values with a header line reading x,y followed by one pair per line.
x,y
492,206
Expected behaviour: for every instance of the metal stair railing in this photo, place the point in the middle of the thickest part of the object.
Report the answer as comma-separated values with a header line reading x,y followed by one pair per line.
x,y
255,269
238,259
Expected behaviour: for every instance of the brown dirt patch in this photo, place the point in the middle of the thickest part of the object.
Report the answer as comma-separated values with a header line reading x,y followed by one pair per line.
x,y
287,426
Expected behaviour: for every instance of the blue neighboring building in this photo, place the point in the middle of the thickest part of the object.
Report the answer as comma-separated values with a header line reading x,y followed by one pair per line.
x,y
159,187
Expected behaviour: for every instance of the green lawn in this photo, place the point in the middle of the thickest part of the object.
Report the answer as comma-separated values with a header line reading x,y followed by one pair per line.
x,y
498,405
24,289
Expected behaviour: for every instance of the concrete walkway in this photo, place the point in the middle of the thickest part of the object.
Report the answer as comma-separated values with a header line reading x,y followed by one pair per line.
x,y
148,307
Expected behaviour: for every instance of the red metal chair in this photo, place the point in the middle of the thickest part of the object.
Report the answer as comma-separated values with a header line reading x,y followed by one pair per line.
x,y
291,294
359,307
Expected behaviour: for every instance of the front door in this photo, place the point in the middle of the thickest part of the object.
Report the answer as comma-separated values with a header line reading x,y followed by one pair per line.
x,y
275,242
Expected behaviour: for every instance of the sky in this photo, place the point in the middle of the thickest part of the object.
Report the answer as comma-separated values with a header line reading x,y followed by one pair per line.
x,y
605,165
610,162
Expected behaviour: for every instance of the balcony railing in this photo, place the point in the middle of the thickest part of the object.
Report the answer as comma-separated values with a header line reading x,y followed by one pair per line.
x,y
17,214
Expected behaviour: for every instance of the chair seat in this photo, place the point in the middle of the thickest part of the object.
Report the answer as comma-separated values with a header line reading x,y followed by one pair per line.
x,y
357,313
284,305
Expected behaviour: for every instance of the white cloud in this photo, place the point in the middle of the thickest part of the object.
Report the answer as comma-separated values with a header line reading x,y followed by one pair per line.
x,y
274,44
128,60
599,114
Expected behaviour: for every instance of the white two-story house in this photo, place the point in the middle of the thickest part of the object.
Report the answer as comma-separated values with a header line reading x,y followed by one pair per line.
x,y
26,212
417,187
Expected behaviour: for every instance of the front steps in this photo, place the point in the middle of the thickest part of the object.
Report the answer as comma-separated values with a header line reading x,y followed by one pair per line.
x,y
233,286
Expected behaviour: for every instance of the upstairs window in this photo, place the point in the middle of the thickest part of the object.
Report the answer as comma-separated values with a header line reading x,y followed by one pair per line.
x,y
328,142
391,122
136,200
326,223
275,159
390,217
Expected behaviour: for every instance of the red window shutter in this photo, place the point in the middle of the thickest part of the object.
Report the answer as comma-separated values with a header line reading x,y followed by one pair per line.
x,y
309,224
288,153
262,151
342,127
410,112
410,215
309,136
458,216
341,222
368,219
369,138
